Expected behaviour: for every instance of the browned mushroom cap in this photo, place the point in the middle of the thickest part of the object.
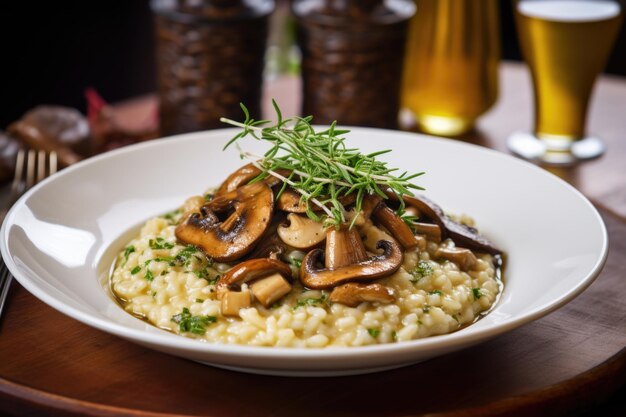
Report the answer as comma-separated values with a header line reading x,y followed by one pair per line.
x,y
289,201
346,260
250,270
243,176
396,226
247,212
353,294
461,234
270,245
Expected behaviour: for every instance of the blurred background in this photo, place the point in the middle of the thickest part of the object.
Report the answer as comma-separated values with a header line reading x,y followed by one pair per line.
x,y
53,51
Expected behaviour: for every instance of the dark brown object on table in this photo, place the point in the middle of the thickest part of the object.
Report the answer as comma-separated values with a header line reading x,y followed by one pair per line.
x,y
55,128
210,56
352,55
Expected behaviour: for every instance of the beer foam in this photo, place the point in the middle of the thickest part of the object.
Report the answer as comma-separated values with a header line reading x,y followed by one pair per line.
x,y
569,10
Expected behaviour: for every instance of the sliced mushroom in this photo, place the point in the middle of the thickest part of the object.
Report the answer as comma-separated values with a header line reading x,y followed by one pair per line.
x,y
345,262
461,234
467,236
396,226
353,294
432,231
290,201
250,270
243,176
302,232
463,257
247,212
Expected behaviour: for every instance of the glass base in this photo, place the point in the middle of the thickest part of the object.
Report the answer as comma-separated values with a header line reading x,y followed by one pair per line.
x,y
444,125
555,153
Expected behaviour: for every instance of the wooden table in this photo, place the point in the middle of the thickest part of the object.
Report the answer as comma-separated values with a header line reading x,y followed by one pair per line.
x,y
567,363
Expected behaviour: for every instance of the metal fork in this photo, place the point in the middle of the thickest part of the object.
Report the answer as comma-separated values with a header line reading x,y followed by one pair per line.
x,y
31,167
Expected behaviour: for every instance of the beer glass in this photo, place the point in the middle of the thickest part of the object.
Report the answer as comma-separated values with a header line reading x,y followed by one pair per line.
x,y
566,44
451,64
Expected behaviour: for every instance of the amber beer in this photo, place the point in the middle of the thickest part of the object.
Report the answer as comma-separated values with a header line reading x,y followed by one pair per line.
x,y
566,44
451,65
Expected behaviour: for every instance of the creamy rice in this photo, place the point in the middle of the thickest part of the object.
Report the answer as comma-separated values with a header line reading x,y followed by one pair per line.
x,y
162,281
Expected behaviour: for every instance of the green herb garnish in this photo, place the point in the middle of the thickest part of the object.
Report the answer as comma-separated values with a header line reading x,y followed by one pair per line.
x,y
149,275
373,332
422,270
322,167
135,270
477,293
296,262
310,301
433,292
185,256
193,324
171,216
199,300
129,249
160,243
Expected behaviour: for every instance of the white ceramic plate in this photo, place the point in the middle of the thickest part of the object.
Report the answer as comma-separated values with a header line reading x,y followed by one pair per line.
x,y
60,239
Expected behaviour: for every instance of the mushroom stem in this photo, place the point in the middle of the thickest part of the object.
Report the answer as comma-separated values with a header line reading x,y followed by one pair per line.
x,y
432,231
343,247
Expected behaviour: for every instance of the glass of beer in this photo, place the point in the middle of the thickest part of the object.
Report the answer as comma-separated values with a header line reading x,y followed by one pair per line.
x,y
566,44
451,64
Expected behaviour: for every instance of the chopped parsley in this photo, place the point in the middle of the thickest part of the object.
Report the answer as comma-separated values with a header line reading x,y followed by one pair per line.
x,y
296,262
160,243
477,293
129,249
422,270
199,300
373,332
135,270
192,324
394,335
436,292
171,216
310,301
149,275
164,272
184,257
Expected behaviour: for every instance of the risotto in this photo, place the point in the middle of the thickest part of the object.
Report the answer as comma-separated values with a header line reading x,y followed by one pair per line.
x,y
431,287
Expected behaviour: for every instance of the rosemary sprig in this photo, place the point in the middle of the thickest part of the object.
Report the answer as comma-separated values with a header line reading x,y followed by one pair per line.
x,y
322,167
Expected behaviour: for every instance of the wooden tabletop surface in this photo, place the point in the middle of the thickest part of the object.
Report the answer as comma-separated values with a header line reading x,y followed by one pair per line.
x,y
569,362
